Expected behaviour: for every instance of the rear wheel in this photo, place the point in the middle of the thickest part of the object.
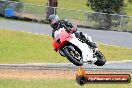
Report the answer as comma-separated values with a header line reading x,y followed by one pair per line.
x,y
101,59
73,55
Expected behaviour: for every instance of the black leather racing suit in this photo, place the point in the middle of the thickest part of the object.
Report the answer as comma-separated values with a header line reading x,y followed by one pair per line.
x,y
71,29
60,24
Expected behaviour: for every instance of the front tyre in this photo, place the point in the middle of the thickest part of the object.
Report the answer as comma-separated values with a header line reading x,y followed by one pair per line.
x,y
101,59
73,55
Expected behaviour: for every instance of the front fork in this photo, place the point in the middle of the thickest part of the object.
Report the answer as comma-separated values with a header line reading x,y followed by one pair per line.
x,y
61,53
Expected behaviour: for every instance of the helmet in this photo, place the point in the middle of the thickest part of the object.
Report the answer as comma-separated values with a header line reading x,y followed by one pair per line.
x,y
53,19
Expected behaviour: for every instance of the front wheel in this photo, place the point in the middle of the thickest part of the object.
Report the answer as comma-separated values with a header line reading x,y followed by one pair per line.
x,y
101,59
73,55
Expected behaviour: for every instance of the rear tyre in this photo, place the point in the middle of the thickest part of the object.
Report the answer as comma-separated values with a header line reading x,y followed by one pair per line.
x,y
101,59
73,55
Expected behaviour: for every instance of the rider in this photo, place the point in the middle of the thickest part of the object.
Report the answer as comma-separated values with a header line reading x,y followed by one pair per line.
x,y
56,23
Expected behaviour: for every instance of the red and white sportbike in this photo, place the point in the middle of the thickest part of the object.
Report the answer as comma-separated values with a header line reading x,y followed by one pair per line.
x,y
75,50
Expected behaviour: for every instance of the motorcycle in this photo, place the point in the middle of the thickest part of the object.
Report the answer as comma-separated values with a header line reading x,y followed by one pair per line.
x,y
76,50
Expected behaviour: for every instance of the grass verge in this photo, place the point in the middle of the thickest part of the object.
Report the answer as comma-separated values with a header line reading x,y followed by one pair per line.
x,y
63,83
20,47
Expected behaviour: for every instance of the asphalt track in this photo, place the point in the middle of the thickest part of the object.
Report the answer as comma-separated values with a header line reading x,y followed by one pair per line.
x,y
123,39
124,66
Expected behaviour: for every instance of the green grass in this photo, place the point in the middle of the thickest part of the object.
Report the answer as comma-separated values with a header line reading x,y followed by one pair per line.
x,y
76,4
40,2
116,53
128,8
32,11
80,5
77,17
20,47
62,83
1,18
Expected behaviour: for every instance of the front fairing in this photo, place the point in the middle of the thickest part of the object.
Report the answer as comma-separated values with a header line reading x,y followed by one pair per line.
x,y
60,38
